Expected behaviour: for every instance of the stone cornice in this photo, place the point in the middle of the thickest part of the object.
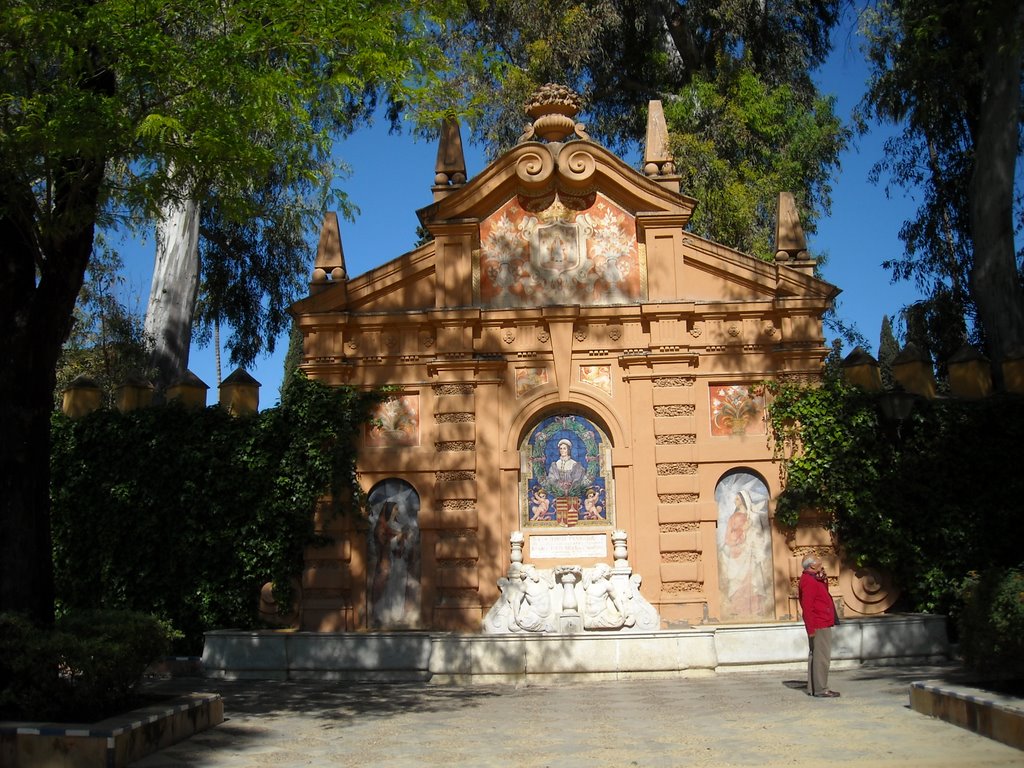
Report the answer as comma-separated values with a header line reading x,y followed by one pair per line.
x,y
469,363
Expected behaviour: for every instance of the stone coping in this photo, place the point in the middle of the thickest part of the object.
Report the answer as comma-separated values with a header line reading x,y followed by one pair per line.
x,y
988,713
114,742
445,657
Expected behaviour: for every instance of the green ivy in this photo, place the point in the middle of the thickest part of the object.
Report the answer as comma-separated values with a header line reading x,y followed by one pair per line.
x,y
185,514
930,500
992,624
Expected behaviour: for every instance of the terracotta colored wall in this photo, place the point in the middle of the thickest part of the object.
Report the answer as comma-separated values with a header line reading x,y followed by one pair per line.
x,y
476,379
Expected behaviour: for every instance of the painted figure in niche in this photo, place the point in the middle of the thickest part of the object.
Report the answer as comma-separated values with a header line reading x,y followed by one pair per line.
x,y
603,608
394,555
565,473
744,551
566,457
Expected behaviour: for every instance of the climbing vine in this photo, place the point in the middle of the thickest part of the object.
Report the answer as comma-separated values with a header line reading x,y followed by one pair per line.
x,y
929,499
186,514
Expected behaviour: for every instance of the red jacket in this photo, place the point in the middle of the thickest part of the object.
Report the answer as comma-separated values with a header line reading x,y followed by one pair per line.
x,y
816,603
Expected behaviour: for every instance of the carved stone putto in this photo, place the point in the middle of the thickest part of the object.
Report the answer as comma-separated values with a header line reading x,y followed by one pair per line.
x,y
568,599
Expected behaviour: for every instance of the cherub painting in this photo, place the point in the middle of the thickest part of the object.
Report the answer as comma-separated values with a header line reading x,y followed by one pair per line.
x,y
567,474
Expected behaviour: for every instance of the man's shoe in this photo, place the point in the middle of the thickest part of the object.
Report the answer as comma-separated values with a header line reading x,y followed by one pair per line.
x,y
827,695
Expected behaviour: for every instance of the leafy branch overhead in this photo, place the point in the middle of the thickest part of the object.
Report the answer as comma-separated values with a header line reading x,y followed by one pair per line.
x,y
113,109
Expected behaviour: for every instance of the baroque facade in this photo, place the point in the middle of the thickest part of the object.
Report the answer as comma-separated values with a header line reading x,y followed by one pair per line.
x,y
567,361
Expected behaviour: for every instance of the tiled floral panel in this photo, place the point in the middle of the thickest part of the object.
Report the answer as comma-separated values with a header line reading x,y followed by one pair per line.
x,y
396,423
559,256
736,409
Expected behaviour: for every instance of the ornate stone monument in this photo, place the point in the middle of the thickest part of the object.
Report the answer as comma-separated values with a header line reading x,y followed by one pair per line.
x,y
569,599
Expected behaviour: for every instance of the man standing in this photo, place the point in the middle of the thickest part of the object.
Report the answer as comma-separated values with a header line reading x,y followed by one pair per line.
x,y
819,618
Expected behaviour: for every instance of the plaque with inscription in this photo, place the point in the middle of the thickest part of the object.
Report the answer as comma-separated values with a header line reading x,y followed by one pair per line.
x,y
568,546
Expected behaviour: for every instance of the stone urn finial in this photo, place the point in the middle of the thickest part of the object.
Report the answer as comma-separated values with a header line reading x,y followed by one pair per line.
x,y
553,108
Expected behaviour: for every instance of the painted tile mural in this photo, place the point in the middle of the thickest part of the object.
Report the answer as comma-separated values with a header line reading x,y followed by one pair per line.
x,y
744,547
566,474
396,422
736,409
393,553
559,256
599,376
528,379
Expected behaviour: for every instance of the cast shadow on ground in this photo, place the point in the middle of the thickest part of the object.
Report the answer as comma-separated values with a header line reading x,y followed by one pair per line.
x,y
333,701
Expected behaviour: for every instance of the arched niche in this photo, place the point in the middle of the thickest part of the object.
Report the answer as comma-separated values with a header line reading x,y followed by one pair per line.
x,y
583,402
393,555
566,473
744,547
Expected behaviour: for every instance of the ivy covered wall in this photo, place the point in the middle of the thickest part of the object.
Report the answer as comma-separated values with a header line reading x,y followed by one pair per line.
x,y
187,513
932,499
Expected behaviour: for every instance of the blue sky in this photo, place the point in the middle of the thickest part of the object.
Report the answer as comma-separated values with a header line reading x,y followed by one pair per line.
x,y
391,177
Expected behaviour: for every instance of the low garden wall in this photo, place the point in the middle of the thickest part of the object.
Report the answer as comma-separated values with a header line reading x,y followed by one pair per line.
x,y
448,657
111,743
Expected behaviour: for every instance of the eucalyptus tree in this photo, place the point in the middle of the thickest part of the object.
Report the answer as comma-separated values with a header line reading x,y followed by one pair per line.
x,y
948,72
237,254
738,142
110,109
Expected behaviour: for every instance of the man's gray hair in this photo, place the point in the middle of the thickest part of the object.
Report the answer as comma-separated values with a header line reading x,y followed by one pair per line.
x,y
808,561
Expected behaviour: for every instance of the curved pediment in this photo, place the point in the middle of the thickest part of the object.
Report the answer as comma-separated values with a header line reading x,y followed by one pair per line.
x,y
538,175
561,221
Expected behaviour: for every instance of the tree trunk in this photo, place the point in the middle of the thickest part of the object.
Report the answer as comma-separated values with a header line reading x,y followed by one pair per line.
x,y
44,268
994,279
216,344
172,296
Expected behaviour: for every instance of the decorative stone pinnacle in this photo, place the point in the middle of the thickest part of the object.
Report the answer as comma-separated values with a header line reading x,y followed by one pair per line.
x,y
790,242
658,159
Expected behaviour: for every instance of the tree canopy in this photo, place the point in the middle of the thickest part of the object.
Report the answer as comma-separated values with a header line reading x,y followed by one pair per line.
x,y
734,76
112,108
619,53
739,142
948,72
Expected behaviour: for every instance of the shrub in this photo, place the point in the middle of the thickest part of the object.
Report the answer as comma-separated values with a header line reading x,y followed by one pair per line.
x,y
187,514
86,668
992,623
